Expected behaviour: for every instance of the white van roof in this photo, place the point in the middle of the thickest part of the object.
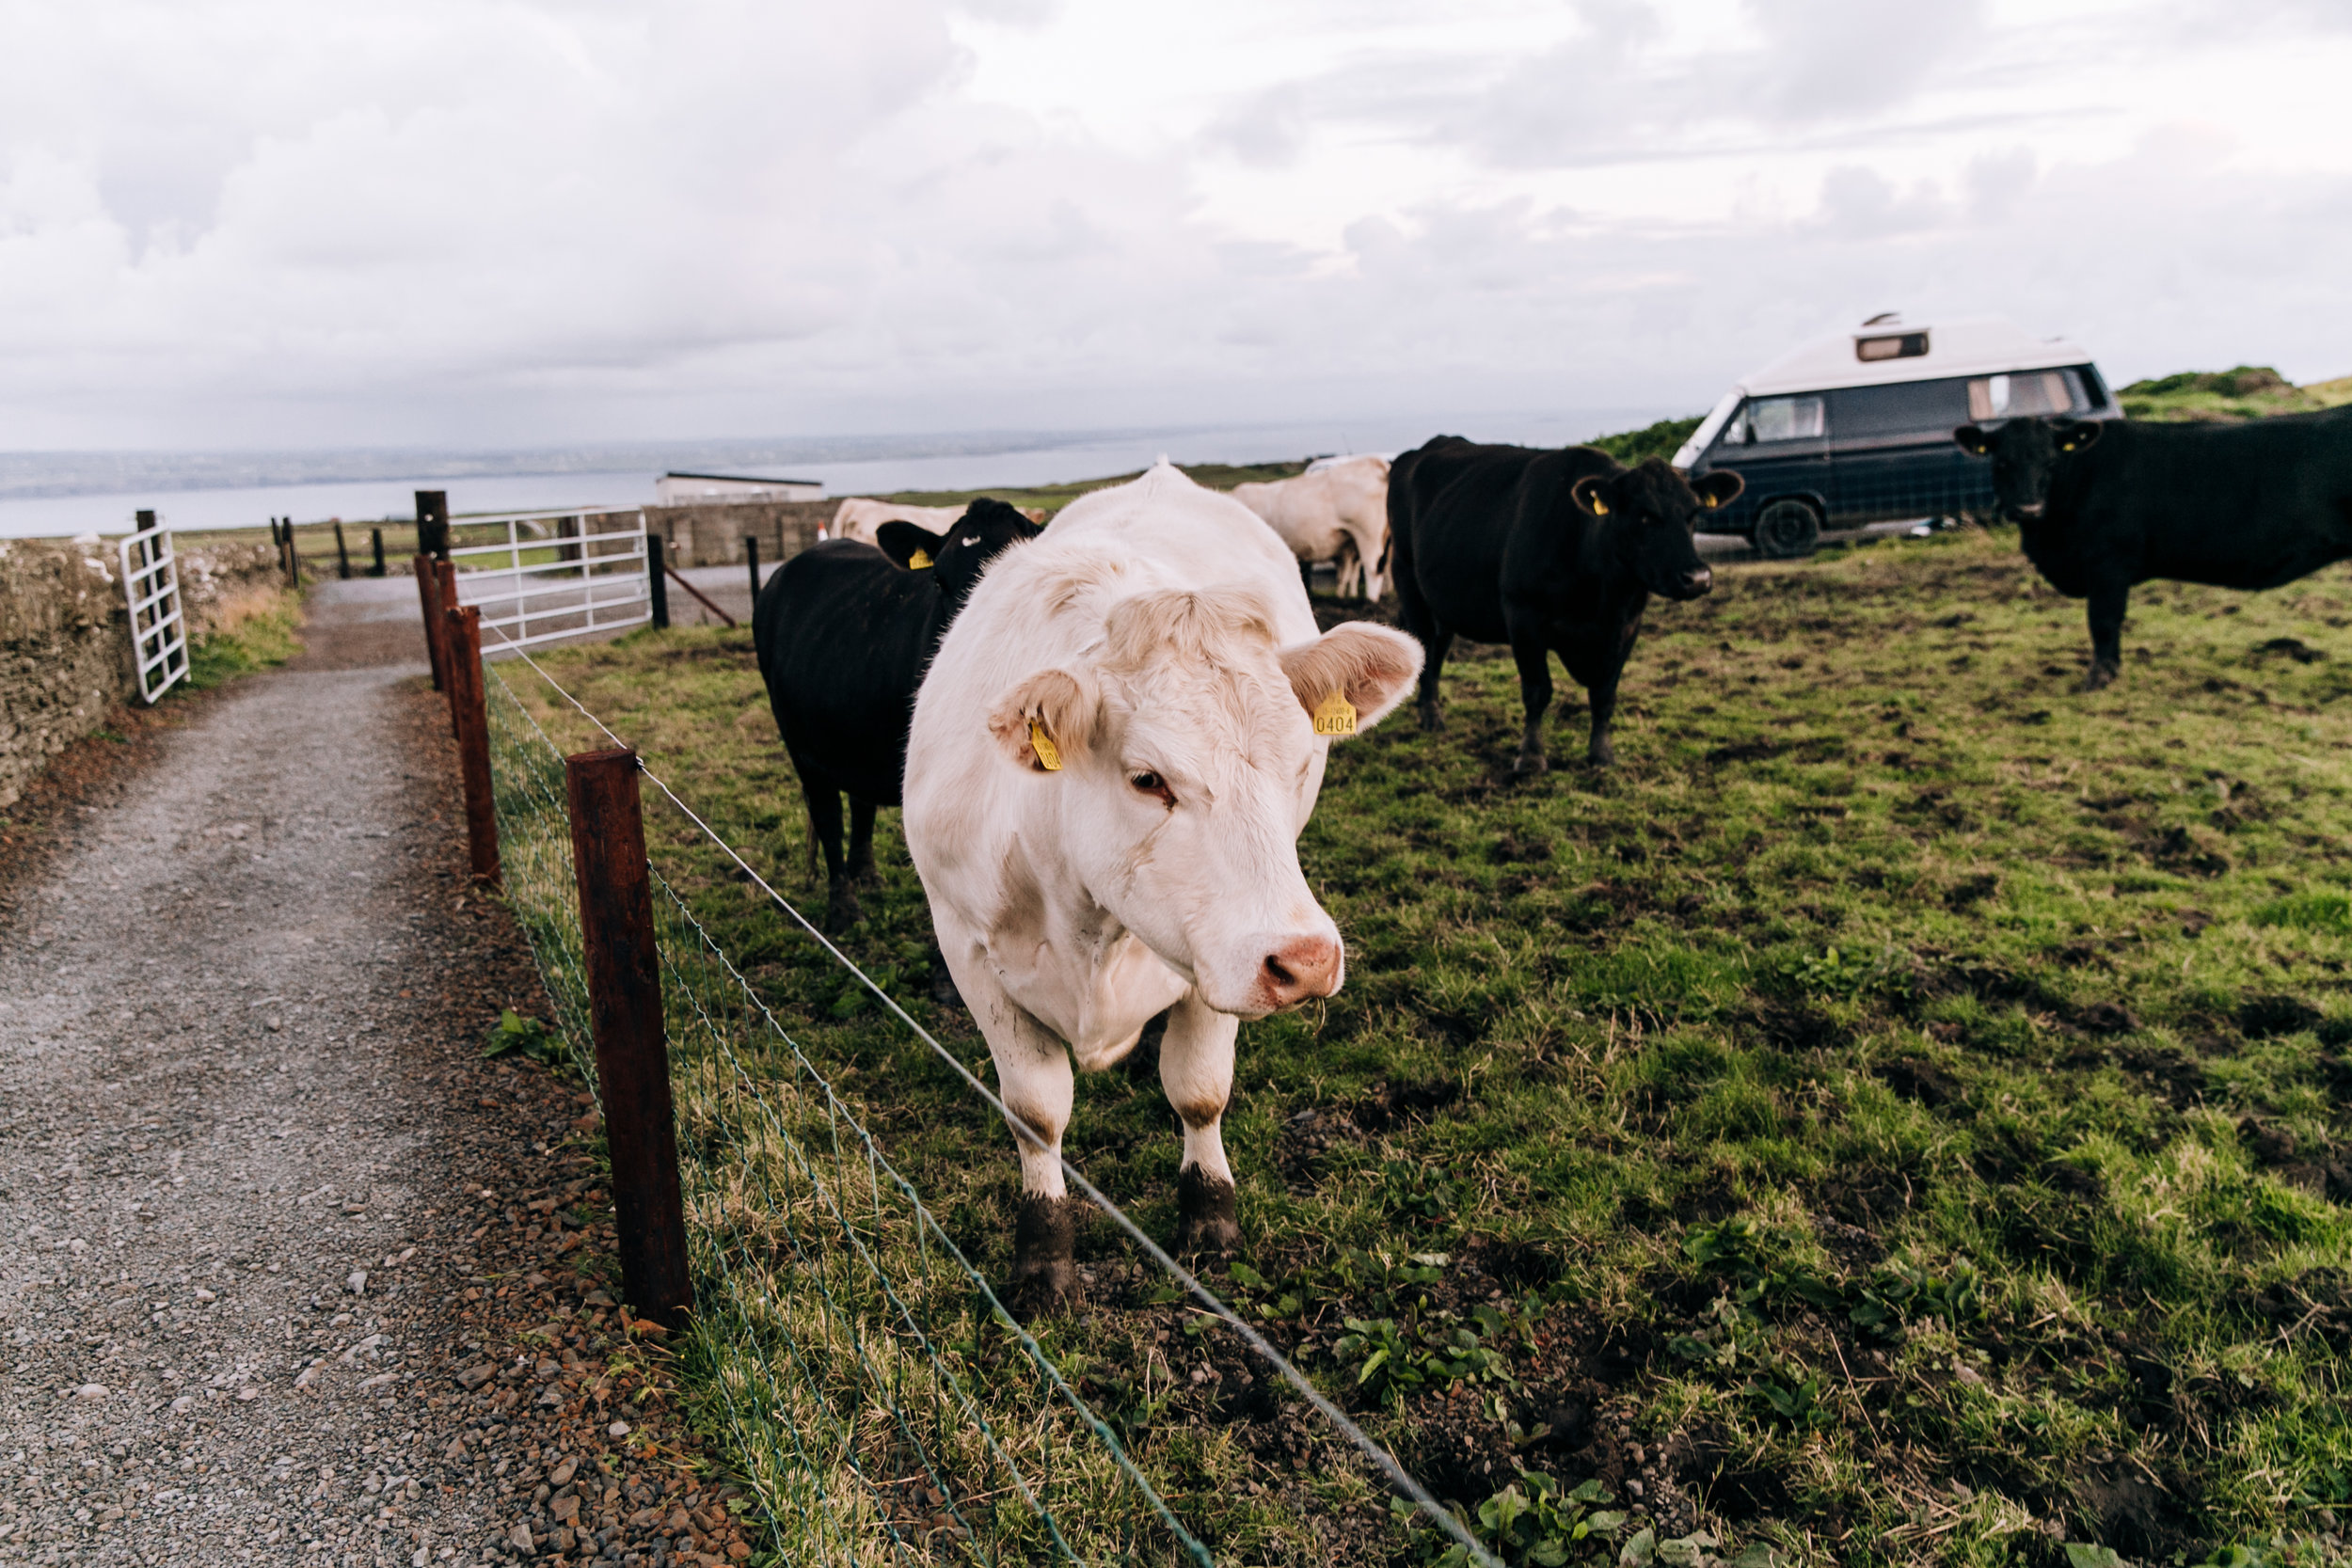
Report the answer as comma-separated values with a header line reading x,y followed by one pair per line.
x,y
1973,345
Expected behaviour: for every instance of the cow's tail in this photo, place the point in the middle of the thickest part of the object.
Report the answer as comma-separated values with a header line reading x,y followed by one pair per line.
x,y
809,816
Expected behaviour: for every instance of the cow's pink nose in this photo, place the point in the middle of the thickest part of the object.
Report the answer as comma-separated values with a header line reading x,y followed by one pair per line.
x,y
1300,968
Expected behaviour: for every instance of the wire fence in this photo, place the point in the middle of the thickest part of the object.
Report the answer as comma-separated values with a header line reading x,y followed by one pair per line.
x,y
883,1402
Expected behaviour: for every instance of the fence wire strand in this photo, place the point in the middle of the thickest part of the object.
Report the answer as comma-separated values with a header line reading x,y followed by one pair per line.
x,y
717,1016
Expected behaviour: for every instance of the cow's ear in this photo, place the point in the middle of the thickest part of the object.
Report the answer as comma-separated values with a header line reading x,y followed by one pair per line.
x,y
1973,440
1046,721
1720,488
1367,668
1586,493
2074,437
911,545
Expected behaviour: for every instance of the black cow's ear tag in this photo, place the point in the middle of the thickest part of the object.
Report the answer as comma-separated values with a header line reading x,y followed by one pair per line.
x,y
919,559
1048,754
1335,714
1709,502
1600,507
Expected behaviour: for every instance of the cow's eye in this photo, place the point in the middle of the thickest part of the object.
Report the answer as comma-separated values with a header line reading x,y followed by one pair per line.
x,y
1148,783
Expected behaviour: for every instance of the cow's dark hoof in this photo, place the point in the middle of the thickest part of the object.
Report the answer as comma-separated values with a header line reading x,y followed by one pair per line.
x,y
1431,720
1528,764
1044,1274
1207,1208
2102,674
841,908
1601,755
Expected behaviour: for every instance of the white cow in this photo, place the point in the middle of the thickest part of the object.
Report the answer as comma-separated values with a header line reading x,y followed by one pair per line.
x,y
858,516
1111,759
1338,509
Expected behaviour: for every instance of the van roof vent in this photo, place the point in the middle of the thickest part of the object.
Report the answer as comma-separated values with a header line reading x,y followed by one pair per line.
x,y
1885,318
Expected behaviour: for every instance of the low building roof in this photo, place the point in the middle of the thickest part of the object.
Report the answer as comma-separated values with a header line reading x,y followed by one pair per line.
x,y
744,479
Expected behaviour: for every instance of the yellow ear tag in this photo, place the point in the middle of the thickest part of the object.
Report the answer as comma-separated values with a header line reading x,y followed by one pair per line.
x,y
1049,755
1335,714
1600,507
919,559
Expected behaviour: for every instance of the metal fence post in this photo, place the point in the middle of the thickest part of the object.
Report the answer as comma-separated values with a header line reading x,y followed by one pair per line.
x,y
471,704
658,579
433,523
751,553
429,595
632,1049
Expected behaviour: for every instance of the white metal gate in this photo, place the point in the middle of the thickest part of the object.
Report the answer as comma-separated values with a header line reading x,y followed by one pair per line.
x,y
546,575
159,632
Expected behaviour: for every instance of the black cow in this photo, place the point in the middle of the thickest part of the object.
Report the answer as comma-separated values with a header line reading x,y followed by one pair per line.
x,y
2102,504
845,631
1549,552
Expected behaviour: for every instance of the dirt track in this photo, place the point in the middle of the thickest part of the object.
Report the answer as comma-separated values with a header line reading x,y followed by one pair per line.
x,y
260,1202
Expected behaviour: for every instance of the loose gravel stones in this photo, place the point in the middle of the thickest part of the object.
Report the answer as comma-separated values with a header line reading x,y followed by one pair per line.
x,y
287,1272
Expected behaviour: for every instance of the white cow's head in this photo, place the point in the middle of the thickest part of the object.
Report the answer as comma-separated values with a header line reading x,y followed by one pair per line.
x,y
1189,759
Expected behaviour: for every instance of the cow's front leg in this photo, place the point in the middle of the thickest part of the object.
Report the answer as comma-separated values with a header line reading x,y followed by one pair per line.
x,y
1534,658
1035,1077
862,840
2107,601
1197,1070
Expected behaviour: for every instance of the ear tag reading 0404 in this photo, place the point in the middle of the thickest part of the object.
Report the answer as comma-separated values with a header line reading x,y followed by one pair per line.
x,y
919,559
1335,714
1049,755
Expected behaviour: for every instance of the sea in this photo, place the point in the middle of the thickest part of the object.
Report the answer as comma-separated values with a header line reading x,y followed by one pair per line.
x,y
63,495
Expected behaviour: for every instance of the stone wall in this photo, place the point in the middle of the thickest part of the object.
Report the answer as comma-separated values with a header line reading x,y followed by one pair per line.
x,y
713,534
65,639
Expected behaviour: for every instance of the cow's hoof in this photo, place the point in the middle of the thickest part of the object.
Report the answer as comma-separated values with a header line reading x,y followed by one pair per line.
x,y
1207,1208
865,876
1528,764
1045,1276
1601,756
842,911
2101,675
1431,720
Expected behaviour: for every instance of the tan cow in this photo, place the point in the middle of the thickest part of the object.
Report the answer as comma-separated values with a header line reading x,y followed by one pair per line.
x,y
858,516
1337,509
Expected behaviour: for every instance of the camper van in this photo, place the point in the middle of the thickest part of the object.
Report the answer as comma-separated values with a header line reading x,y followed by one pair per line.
x,y
1857,428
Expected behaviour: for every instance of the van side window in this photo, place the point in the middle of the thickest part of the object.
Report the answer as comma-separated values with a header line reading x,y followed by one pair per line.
x,y
2020,395
1797,419
1928,409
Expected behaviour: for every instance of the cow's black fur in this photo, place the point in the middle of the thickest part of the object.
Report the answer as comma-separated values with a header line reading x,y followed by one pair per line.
x,y
845,631
1547,551
2100,505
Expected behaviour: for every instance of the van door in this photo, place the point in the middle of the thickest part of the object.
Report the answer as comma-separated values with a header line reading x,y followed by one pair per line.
x,y
1892,455
1780,447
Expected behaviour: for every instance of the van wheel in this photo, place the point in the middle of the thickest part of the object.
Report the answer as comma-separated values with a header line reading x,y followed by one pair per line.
x,y
1786,530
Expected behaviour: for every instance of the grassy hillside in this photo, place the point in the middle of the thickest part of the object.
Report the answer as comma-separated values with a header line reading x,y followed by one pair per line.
x,y
2247,392
1903,1114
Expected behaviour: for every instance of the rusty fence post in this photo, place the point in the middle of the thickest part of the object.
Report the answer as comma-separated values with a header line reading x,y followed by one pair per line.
x,y
468,698
433,523
632,1048
429,595
445,588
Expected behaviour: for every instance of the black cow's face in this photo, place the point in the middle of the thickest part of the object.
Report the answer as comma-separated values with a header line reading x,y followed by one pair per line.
x,y
1652,512
958,556
2026,452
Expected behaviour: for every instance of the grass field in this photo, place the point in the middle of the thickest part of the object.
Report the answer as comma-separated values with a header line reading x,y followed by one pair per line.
x,y
1897,1114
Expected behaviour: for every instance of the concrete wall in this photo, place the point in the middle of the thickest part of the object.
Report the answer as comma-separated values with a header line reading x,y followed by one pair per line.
x,y
712,534
65,639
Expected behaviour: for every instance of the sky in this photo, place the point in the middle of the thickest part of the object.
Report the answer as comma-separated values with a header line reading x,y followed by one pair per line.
x,y
272,224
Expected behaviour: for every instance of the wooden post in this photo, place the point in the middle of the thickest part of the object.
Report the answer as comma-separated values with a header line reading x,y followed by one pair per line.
x,y
632,1049
433,523
343,556
657,577
470,701
429,595
445,594
751,553
376,534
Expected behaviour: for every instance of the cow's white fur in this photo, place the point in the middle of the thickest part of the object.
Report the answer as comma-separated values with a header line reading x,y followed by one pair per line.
x,y
1157,626
1337,511
858,516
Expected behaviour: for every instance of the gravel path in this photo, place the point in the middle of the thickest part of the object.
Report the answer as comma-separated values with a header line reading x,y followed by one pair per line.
x,y
287,1272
